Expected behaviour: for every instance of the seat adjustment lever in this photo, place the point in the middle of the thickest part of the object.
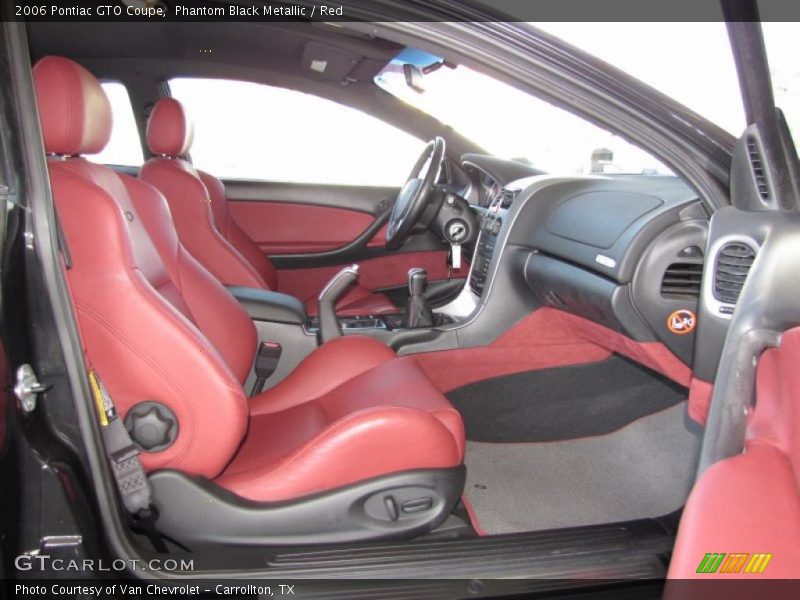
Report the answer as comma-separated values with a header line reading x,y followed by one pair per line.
x,y
329,326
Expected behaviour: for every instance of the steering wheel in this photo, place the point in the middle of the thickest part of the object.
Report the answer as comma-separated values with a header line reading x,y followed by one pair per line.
x,y
413,197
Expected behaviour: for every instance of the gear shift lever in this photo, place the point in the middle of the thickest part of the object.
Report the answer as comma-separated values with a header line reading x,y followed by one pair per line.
x,y
418,310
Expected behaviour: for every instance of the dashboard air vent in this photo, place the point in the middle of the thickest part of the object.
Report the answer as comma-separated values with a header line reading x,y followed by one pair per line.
x,y
754,154
733,264
507,198
682,280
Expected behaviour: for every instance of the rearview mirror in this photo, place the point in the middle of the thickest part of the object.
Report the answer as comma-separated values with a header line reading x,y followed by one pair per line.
x,y
413,77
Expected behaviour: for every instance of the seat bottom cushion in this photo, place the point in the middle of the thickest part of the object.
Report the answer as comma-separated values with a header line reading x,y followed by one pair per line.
x,y
357,301
367,414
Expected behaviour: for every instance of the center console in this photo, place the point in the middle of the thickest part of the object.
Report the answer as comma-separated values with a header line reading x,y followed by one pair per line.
x,y
282,322
487,240
284,317
366,324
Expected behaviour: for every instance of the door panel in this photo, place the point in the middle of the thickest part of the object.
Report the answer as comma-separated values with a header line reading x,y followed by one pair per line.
x,y
282,228
298,221
310,231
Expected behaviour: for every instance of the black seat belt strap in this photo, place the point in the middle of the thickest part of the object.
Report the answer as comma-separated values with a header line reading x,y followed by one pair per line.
x,y
62,240
132,482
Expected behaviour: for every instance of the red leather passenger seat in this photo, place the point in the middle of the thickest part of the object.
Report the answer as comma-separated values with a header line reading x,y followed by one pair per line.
x,y
200,211
749,504
159,327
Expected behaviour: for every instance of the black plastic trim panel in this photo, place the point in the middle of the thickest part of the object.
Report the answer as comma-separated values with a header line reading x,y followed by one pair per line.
x,y
501,170
605,551
629,234
263,305
367,199
196,511
554,559
731,224
728,351
681,244
576,290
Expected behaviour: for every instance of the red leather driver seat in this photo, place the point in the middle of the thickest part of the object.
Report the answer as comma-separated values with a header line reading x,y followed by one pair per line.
x,y
200,211
158,327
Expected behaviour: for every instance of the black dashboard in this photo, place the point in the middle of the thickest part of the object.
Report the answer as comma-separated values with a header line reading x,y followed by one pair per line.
x,y
489,174
626,252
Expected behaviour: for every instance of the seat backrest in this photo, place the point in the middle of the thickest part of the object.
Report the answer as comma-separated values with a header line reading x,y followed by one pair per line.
x,y
235,235
198,204
154,323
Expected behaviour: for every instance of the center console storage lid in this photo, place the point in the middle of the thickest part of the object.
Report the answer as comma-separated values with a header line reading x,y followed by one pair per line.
x,y
263,305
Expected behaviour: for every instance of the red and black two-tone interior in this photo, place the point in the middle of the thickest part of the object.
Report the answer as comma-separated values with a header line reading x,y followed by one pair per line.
x,y
485,359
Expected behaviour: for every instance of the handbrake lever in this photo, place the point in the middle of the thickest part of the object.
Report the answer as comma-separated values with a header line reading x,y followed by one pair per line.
x,y
329,327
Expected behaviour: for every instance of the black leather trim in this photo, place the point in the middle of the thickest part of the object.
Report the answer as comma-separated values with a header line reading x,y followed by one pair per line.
x,y
439,292
373,200
262,305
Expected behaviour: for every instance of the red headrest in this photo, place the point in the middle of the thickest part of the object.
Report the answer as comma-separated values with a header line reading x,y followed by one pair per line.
x,y
169,131
73,108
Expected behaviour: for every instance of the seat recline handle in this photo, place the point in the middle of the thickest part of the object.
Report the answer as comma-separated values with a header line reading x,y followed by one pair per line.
x,y
329,327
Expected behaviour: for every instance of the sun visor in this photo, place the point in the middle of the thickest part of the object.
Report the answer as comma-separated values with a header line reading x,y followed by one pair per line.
x,y
329,62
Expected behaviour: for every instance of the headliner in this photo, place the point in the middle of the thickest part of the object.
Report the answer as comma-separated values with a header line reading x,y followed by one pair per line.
x,y
257,45
145,55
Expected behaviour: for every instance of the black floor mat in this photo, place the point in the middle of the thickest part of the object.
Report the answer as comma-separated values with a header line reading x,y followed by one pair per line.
x,y
563,403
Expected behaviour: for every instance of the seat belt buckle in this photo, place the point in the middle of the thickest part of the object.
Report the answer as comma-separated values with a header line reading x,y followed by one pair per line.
x,y
267,359
269,353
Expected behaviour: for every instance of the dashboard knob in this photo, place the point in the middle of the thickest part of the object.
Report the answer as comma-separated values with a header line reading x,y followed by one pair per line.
x,y
495,226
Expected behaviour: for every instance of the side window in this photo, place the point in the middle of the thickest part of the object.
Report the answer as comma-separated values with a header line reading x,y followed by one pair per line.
x,y
124,147
251,131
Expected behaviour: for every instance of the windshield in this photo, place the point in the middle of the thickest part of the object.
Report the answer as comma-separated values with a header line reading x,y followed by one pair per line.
x,y
690,62
693,63
512,124
783,48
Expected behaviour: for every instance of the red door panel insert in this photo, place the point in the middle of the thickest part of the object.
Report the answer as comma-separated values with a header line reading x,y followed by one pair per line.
x,y
283,228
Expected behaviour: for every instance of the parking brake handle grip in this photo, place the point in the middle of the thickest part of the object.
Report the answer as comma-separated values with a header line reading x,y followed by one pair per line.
x,y
328,322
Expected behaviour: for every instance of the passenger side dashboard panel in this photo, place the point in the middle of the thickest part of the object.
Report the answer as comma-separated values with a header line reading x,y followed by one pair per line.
x,y
602,248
